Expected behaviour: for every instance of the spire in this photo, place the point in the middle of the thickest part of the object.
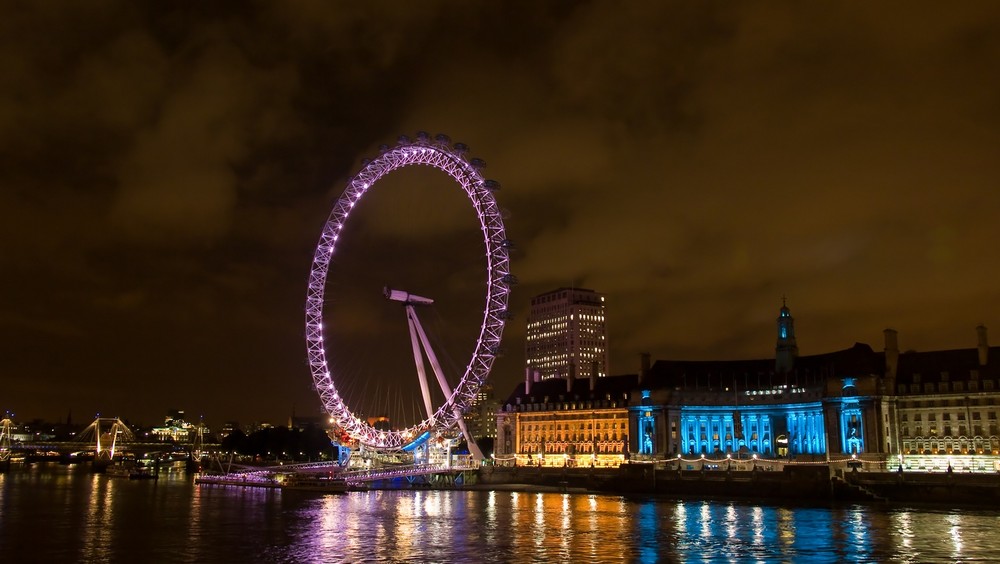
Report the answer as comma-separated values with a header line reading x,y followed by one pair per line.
x,y
786,349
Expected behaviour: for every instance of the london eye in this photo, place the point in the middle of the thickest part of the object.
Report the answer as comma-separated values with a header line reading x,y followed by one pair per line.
x,y
442,410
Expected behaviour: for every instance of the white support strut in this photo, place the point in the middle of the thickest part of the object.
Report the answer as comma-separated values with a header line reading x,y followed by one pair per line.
x,y
411,319
414,322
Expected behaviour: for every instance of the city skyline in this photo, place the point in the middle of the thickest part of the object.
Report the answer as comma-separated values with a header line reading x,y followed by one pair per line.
x,y
167,172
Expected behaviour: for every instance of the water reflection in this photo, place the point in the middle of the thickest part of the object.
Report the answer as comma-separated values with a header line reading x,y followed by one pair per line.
x,y
98,529
648,524
731,523
83,517
785,530
705,519
955,535
857,534
538,530
194,516
901,524
457,526
679,519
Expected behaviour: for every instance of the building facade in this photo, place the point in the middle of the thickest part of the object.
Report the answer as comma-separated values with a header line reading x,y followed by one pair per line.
x,y
566,422
481,420
567,334
931,410
825,405
946,406
176,429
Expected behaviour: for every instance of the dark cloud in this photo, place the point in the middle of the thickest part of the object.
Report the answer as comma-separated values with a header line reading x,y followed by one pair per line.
x,y
178,179
166,171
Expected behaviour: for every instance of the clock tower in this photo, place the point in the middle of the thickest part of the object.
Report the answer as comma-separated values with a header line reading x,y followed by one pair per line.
x,y
786,350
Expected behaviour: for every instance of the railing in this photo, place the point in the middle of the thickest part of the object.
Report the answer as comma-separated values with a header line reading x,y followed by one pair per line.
x,y
356,476
267,475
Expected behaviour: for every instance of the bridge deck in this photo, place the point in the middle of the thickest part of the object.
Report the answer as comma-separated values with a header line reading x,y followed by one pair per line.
x,y
256,475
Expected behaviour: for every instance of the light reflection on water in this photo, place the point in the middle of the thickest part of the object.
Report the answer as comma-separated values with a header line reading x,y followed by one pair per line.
x,y
956,535
75,516
100,512
574,527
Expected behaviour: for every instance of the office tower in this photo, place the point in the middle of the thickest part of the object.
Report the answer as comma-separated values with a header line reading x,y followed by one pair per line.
x,y
567,335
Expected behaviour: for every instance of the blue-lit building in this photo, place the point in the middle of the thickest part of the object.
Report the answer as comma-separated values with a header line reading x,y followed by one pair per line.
x,y
919,410
789,406
715,408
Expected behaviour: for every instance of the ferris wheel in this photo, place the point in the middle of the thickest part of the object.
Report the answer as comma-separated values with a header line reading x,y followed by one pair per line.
x,y
437,152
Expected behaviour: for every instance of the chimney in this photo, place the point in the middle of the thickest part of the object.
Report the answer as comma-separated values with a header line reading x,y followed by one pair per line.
x,y
527,381
643,367
593,375
570,376
538,375
891,353
984,345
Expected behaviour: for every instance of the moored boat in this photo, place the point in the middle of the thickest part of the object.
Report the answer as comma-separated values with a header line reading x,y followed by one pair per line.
x,y
131,471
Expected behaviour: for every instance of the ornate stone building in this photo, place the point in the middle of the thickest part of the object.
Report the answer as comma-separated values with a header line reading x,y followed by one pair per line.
x,y
946,405
826,404
929,410
566,422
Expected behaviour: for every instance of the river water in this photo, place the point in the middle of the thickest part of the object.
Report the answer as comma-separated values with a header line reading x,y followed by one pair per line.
x,y
52,513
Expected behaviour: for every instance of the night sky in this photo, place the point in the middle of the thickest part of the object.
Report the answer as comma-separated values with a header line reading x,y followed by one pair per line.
x,y
166,169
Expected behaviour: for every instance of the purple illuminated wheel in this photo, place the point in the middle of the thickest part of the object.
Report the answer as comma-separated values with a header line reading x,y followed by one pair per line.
x,y
450,159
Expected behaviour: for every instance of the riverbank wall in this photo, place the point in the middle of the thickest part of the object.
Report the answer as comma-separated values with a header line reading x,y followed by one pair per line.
x,y
936,488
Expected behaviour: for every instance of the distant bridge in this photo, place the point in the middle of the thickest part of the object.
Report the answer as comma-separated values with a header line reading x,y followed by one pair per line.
x,y
85,450
80,446
104,441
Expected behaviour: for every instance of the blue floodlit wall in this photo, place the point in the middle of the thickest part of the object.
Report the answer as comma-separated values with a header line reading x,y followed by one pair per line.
x,y
647,432
852,435
711,429
806,433
646,425
852,429
705,431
